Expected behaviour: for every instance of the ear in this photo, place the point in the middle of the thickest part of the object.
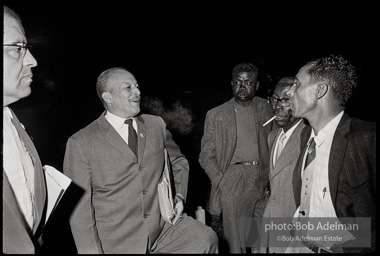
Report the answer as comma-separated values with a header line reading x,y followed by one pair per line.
x,y
322,90
257,85
107,97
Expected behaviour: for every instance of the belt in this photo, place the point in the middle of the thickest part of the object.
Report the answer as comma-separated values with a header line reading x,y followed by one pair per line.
x,y
315,248
246,163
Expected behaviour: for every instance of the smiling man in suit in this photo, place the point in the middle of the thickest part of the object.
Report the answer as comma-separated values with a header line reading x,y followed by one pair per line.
x,y
24,189
119,211
335,175
284,146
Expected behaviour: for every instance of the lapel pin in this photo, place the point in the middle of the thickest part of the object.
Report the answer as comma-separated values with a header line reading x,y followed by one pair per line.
x,y
141,135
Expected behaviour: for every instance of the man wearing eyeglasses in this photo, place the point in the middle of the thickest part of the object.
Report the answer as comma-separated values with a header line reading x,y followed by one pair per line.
x,y
284,145
235,155
24,191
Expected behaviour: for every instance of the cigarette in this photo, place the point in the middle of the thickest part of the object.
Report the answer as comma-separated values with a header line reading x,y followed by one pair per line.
x,y
270,120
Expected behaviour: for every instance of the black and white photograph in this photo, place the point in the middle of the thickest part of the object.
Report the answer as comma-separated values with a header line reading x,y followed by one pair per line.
x,y
163,126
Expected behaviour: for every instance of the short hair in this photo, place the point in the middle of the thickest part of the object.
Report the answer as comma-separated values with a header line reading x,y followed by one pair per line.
x,y
8,11
338,73
245,67
102,82
286,81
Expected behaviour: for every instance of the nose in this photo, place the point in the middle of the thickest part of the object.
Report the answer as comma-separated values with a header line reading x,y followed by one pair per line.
x,y
278,105
136,91
29,60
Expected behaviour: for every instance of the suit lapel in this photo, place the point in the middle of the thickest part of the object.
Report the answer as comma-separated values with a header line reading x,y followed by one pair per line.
x,y
337,153
290,151
141,137
272,146
113,137
297,182
256,107
9,198
39,178
228,125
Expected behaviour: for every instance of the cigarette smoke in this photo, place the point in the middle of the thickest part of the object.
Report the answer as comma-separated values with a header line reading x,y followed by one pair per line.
x,y
177,118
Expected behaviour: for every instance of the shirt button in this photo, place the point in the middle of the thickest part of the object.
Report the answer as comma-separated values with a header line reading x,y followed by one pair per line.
x,y
273,198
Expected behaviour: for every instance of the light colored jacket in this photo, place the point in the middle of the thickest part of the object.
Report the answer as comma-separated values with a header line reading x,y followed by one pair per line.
x,y
219,142
119,210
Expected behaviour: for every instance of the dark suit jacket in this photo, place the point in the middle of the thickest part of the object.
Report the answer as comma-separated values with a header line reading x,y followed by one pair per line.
x,y
352,170
119,211
16,237
219,142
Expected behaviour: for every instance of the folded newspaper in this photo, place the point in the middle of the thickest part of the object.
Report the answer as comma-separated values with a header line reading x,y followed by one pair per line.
x,y
165,193
56,183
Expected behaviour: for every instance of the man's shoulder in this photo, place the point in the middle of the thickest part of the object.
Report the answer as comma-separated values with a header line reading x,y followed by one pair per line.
x,y
149,119
87,131
228,105
362,125
224,105
361,129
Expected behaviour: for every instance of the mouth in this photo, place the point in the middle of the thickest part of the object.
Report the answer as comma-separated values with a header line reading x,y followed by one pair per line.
x,y
135,100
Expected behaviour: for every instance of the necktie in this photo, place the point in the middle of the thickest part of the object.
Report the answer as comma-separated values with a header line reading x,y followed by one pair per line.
x,y
310,153
132,136
280,145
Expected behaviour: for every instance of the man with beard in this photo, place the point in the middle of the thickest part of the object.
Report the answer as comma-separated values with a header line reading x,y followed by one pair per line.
x,y
235,154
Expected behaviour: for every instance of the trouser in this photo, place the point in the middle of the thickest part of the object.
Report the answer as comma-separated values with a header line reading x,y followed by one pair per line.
x,y
186,236
241,197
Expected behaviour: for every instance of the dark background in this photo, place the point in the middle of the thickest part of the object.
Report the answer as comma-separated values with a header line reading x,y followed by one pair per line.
x,y
182,54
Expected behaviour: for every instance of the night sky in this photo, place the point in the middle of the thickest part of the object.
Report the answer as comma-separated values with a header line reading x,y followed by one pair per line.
x,y
182,54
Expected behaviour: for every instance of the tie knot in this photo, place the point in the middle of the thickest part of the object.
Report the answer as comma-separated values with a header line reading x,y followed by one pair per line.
x,y
128,121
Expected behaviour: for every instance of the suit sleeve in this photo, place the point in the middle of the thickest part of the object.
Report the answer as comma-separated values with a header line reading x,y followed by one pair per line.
x,y
207,157
82,221
180,165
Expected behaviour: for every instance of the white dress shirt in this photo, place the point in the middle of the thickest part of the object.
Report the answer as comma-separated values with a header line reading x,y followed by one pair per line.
x,y
288,133
119,125
321,205
18,167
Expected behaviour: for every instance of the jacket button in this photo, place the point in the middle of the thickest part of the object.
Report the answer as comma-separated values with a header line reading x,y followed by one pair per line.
x,y
146,215
145,191
273,198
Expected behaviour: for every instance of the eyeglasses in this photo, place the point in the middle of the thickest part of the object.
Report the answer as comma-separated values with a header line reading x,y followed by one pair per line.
x,y
19,50
284,101
240,82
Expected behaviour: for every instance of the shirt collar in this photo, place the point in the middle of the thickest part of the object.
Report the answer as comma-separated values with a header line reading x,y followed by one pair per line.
x,y
7,111
240,107
290,131
116,121
326,131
